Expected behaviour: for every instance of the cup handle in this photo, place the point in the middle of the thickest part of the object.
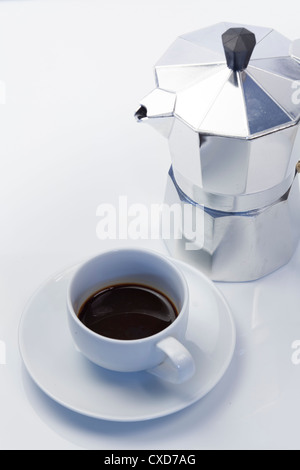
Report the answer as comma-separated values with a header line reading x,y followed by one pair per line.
x,y
179,366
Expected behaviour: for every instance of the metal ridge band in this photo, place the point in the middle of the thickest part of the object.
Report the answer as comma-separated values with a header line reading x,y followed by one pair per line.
x,y
231,203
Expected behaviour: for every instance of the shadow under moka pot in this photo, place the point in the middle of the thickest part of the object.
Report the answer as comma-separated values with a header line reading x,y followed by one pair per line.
x,y
228,100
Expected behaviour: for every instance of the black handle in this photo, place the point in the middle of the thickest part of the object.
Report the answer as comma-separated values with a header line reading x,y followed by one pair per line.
x,y
238,44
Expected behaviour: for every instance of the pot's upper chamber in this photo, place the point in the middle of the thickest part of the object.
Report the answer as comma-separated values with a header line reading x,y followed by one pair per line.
x,y
228,99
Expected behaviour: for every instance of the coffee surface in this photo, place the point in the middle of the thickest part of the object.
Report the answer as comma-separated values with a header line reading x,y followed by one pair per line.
x,y
127,312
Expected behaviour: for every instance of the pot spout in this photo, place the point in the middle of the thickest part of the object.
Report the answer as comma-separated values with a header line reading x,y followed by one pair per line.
x,y
141,114
157,109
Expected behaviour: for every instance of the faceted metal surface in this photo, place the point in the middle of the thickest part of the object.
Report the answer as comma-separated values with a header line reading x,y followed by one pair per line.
x,y
233,174
193,103
295,49
213,99
280,88
234,139
230,133
211,37
243,246
273,44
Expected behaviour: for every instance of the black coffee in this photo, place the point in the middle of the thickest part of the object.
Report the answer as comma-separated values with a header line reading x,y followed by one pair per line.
x,y
127,312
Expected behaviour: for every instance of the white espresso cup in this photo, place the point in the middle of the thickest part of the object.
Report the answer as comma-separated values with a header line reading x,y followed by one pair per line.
x,y
161,354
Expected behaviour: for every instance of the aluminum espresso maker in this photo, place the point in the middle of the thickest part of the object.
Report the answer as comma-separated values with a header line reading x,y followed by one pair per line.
x,y
228,100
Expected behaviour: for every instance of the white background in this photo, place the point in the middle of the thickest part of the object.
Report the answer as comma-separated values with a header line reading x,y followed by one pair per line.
x,y
74,72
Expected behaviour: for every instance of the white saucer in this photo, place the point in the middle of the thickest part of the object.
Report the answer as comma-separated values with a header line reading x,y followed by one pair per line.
x,y
71,380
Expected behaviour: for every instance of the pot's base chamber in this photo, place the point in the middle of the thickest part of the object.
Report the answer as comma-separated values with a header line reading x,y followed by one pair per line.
x,y
235,247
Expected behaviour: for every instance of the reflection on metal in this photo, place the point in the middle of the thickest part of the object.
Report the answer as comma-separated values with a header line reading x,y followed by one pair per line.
x,y
207,91
241,246
295,49
233,130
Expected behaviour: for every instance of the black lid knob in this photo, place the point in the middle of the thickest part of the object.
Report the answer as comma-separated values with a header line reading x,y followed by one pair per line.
x,y
238,45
